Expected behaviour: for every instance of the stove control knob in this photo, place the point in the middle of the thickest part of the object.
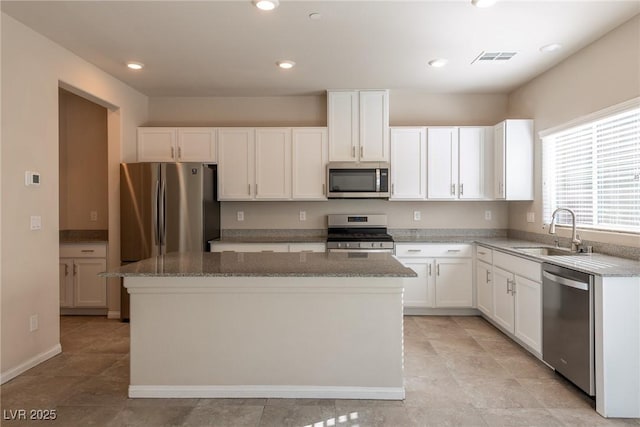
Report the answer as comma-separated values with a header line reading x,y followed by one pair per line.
x,y
339,245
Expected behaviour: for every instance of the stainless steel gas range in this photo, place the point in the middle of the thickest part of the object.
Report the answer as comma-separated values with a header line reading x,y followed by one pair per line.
x,y
358,233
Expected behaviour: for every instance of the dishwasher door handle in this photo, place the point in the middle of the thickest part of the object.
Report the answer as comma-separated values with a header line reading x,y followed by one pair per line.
x,y
566,282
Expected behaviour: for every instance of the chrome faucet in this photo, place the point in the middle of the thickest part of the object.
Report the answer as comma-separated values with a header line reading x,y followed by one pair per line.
x,y
575,239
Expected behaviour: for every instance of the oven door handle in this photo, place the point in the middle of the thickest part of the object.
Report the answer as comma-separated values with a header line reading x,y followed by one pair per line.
x,y
566,282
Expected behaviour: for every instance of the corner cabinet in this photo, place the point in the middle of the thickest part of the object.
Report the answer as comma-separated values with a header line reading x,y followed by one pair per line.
x,y
516,287
358,123
80,285
168,144
513,160
445,276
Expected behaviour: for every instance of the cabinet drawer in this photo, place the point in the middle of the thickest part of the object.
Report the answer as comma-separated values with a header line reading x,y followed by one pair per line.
x,y
433,250
307,247
249,247
520,266
484,254
83,250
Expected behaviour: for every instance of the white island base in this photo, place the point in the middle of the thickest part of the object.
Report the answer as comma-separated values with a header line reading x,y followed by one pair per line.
x,y
267,337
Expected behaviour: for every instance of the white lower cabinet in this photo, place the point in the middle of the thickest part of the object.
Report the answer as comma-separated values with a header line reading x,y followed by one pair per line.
x,y
516,286
80,285
484,288
444,275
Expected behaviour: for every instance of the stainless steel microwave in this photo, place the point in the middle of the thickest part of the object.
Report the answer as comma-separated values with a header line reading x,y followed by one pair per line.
x,y
365,180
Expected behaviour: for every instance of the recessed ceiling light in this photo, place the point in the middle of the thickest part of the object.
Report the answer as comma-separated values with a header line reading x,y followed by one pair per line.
x,y
438,63
286,64
553,47
135,65
483,3
266,4
315,16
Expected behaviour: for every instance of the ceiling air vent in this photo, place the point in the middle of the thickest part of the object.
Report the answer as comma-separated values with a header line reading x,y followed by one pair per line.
x,y
494,56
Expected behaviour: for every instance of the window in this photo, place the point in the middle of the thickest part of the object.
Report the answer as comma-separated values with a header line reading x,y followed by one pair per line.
x,y
594,169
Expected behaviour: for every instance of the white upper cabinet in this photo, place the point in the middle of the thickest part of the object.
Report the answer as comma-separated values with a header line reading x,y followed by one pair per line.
x,y
197,145
309,162
273,164
236,169
513,160
442,163
358,123
472,164
408,163
459,162
164,144
157,144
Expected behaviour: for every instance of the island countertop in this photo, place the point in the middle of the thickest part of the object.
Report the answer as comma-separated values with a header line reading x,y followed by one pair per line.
x,y
265,264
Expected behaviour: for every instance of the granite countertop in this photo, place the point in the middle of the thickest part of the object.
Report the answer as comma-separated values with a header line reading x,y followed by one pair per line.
x,y
271,239
84,236
594,263
266,264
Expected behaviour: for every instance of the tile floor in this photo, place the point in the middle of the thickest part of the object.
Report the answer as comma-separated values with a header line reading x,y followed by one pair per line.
x,y
460,371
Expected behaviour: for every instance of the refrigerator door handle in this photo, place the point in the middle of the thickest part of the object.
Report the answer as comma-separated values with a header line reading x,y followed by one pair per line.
x,y
156,214
162,217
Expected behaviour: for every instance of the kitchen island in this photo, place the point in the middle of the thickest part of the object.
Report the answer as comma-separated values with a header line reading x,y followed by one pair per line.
x,y
293,325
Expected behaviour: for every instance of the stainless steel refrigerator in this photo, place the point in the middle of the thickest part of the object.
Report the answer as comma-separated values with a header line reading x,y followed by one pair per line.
x,y
166,207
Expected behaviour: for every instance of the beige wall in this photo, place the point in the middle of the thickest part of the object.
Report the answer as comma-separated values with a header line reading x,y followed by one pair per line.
x,y
33,67
83,163
274,215
604,73
405,109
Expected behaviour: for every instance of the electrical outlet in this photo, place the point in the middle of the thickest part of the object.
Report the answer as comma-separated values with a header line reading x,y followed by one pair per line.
x,y
417,215
36,222
33,323
531,217
303,215
93,216
240,215
487,215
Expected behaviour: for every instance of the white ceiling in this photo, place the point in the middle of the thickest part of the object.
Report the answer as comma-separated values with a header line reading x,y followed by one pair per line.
x,y
229,48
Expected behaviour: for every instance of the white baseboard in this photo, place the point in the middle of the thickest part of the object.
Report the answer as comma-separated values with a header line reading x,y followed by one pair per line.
x,y
424,311
30,363
257,391
113,315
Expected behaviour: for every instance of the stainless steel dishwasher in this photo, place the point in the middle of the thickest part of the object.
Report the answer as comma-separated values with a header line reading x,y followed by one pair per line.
x,y
567,324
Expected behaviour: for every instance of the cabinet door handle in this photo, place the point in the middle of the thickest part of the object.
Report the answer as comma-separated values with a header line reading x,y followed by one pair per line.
x,y
513,287
461,189
453,189
173,152
256,189
75,268
429,269
482,253
393,189
414,250
453,250
488,279
179,152
437,269
87,250
324,190
66,269
361,151
353,151
249,189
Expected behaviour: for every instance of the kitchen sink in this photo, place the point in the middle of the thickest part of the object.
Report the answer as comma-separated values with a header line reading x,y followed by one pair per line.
x,y
545,251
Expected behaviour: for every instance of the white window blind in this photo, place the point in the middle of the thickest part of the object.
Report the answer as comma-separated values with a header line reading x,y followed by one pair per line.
x,y
594,169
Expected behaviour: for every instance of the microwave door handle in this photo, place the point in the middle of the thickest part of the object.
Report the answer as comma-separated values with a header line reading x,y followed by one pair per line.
x,y
377,180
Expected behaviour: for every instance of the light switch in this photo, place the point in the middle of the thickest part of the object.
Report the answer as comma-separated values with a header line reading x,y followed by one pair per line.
x,y
36,222
303,215
487,215
93,216
531,217
240,215
417,215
